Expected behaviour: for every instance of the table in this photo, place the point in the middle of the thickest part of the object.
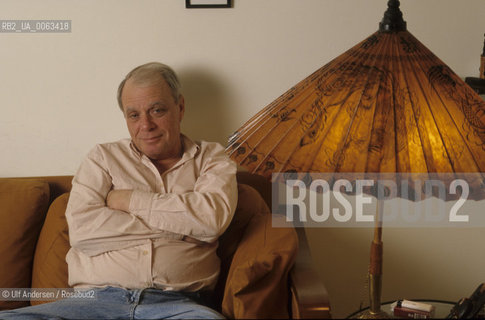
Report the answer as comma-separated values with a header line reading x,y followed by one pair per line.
x,y
442,308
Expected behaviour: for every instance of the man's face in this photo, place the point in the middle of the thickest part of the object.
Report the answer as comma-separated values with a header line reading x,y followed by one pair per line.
x,y
153,119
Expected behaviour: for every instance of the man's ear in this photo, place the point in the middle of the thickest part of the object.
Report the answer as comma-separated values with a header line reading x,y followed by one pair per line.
x,y
181,105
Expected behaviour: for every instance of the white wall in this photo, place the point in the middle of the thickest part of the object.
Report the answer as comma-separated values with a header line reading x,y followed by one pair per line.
x,y
57,91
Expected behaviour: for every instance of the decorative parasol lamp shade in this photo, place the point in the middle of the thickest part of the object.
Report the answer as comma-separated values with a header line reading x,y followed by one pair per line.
x,y
387,105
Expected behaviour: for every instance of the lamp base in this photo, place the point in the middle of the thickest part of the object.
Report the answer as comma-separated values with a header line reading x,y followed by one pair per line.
x,y
374,311
374,315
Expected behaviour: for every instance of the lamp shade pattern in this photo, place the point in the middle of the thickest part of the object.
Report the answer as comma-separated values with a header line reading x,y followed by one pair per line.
x,y
386,105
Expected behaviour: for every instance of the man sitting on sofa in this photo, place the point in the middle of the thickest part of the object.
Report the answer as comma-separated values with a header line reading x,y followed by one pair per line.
x,y
145,213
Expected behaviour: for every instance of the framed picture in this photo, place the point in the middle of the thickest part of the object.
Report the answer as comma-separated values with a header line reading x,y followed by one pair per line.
x,y
208,3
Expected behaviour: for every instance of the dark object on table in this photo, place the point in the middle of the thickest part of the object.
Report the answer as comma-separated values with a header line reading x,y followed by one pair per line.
x,y
469,308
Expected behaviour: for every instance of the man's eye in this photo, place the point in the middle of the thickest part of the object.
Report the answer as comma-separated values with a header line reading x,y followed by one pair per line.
x,y
133,116
158,111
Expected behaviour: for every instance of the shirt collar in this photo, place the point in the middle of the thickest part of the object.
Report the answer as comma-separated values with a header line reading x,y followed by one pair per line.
x,y
190,149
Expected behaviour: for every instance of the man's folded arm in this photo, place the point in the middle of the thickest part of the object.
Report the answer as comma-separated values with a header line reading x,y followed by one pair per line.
x,y
203,214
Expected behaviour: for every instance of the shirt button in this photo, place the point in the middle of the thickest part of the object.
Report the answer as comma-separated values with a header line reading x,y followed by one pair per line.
x,y
144,252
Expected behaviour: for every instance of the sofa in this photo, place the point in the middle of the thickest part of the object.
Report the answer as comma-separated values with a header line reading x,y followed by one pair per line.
x,y
266,272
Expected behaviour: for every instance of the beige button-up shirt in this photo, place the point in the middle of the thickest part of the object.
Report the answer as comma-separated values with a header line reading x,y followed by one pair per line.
x,y
145,247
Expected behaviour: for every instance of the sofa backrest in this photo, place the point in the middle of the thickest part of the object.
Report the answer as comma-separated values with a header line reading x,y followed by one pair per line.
x,y
23,206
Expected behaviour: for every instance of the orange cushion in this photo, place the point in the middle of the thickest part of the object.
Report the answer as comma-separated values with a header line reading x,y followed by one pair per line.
x,y
247,206
257,281
50,267
23,204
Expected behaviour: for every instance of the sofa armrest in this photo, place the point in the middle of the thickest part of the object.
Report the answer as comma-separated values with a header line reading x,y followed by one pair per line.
x,y
309,297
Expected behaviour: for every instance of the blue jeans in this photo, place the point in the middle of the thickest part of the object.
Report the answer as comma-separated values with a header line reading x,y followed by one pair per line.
x,y
117,303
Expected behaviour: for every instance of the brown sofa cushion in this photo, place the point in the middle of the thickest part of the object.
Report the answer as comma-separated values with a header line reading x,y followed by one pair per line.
x,y
23,204
257,281
228,242
50,267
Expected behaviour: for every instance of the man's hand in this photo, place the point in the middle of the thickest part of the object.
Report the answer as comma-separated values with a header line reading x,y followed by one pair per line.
x,y
119,199
198,242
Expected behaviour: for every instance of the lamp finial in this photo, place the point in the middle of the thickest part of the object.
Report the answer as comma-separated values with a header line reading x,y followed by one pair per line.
x,y
392,20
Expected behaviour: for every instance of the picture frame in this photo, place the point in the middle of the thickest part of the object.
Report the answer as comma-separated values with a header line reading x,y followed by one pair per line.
x,y
191,4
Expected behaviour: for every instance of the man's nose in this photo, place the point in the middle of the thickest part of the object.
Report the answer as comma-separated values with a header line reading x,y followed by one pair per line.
x,y
147,122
